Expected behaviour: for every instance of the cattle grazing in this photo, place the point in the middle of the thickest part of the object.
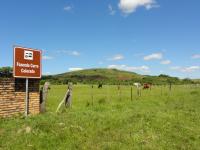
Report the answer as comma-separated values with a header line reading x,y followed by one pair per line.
x,y
138,85
100,86
146,86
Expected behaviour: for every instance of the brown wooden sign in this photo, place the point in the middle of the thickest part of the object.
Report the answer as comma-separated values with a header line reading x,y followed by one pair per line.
x,y
27,63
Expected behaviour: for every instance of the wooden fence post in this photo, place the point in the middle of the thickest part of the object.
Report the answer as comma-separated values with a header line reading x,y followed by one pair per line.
x,y
119,92
107,93
68,100
92,95
43,96
170,86
131,93
139,91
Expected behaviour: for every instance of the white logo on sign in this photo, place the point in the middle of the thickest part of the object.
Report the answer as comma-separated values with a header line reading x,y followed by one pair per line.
x,y
28,55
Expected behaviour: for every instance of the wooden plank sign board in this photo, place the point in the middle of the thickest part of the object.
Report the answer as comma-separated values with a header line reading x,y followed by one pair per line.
x,y
27,63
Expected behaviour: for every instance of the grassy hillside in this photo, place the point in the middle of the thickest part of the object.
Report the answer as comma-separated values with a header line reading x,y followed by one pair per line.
x,y
99,75
111,76
103,73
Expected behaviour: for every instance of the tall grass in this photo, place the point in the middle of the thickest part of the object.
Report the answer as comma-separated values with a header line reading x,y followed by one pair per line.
x,y
158,119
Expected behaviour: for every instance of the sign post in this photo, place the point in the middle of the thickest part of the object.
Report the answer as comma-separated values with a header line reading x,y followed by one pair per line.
x,y
27,100
27,64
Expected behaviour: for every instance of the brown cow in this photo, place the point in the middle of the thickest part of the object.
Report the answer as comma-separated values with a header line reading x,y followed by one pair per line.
x,y
146,86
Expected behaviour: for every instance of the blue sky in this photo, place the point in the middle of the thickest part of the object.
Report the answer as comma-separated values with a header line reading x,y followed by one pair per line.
x,y
143,36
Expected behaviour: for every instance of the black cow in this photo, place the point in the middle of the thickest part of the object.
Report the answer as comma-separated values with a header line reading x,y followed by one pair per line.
x,y
100,85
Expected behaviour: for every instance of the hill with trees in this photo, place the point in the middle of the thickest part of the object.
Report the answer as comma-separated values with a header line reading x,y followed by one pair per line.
x,y
105,76
111,76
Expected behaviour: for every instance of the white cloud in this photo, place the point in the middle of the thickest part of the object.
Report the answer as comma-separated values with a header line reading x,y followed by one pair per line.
x,y
130,6
75,69
69,52
111,10
196,56
74,53
153,56
117,57
165,62
67,8
130,68
45,57
189,69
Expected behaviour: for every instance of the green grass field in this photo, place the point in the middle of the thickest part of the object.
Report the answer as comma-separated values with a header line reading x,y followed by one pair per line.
x,y
157,120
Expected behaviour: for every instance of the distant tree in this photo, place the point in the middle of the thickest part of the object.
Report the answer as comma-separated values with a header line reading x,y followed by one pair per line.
x,y
6,71
187,81
148,79
163,75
